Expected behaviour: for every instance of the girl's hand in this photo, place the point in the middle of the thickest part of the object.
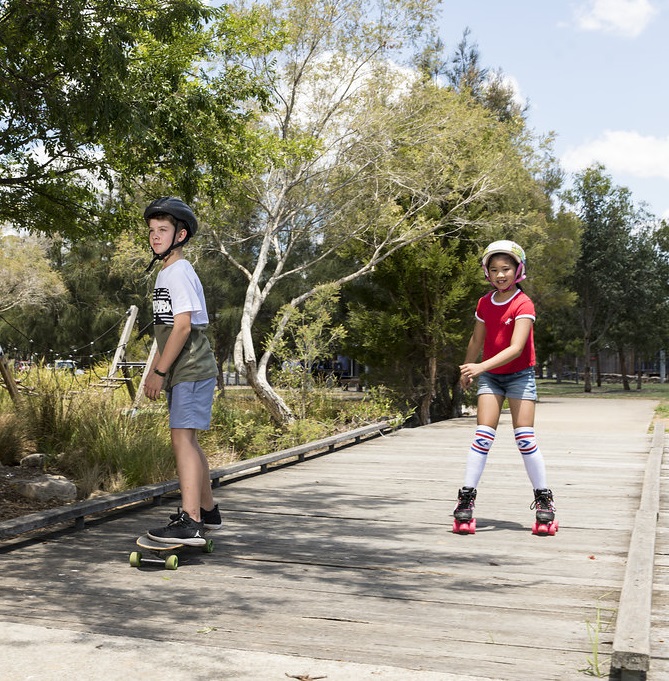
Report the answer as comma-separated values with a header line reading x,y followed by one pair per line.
x,y
468,372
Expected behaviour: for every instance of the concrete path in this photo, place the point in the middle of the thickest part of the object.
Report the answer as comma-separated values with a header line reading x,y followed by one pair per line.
x,y
345,568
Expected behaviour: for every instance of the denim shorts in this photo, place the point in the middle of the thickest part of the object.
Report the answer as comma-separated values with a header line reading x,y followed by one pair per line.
x,y
190,404
519,386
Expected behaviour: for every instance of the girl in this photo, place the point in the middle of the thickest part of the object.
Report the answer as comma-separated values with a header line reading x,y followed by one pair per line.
x,y
504,332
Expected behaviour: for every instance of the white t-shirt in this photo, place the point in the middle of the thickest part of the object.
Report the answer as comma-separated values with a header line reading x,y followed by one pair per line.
x,y
178,289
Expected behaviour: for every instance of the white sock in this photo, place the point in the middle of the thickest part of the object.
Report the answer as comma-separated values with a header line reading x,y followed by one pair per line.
x,y
478,455
533,459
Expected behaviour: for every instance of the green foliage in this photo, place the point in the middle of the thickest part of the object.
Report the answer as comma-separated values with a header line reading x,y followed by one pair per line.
x,y
240,425
89,436
307,335
111,450
28,279
620,274
111,92
85,315
50,416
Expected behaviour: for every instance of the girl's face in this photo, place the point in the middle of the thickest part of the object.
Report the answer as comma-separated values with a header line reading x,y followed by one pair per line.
x,y
502,270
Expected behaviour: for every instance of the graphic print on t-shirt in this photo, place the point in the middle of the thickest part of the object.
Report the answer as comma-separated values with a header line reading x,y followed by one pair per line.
x,y
162,307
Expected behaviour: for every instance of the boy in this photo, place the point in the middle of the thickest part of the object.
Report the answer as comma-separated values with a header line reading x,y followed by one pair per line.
x,y
184,366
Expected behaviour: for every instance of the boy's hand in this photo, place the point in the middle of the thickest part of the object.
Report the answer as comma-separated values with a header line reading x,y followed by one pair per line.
x,y
153,385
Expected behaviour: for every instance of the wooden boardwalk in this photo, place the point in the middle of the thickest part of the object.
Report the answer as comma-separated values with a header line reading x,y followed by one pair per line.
x,y
344,567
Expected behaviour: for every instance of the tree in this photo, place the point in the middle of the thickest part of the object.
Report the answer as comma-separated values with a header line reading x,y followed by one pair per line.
x,y
96,94
82,321
466,72
641,325
410,325
345,120
310,335
410,320
26,274
601,275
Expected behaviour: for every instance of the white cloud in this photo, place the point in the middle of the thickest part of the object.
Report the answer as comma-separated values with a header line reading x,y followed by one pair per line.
x,y
627,18
622,151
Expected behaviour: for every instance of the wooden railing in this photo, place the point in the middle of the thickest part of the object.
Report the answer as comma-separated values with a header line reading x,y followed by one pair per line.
x,y
78,511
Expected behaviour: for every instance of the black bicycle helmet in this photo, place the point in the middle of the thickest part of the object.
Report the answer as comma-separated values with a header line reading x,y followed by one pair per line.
x,y
170,205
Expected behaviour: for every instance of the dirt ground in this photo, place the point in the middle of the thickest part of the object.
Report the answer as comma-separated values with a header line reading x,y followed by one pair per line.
x,y
12,503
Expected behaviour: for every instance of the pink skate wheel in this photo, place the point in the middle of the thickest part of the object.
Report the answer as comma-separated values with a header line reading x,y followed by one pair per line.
x,y
472,526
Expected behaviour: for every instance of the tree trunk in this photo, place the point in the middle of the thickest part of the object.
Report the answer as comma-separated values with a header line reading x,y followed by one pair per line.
x,y
598,364
256,376
623,368
269,398
587,377
424,415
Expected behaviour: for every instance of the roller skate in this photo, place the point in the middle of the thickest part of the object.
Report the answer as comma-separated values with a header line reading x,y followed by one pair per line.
x,y
464,522
545,523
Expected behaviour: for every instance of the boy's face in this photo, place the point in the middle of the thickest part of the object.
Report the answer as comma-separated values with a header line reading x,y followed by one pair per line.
x,y
502,270
161,234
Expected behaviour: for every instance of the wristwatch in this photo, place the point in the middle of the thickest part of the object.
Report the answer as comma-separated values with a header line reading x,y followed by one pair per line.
x,y
162,374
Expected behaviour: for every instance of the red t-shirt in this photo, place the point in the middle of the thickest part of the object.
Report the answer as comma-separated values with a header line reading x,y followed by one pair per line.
x,y
499,320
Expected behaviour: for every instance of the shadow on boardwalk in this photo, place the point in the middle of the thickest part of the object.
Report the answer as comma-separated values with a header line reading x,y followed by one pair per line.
x,y
345,567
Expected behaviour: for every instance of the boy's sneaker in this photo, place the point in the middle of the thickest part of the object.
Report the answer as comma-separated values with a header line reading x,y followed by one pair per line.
x,y
210,519
182,530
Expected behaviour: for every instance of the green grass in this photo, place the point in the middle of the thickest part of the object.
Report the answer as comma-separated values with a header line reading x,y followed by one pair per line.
x,y
573,389
93,437
649,391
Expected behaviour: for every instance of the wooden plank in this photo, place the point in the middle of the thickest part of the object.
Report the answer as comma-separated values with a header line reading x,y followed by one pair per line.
x,y
351,558
631,645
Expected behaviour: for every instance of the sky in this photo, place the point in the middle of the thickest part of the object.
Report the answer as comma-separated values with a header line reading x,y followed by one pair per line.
x,y
594,73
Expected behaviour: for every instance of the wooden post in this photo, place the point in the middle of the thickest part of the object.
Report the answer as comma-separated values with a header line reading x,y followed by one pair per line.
x,y
7,378
147,368
119,355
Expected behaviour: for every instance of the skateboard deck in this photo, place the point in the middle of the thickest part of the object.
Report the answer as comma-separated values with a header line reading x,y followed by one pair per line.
x,y
159,551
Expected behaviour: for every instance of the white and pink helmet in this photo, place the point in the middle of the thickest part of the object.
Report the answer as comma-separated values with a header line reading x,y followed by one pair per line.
x,y
510,248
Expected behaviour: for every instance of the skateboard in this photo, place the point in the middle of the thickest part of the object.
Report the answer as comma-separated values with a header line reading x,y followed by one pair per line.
x,y
464,526
543,529
163,554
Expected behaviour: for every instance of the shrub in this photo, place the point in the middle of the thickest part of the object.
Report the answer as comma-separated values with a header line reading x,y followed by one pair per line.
x,y
113,450
14,444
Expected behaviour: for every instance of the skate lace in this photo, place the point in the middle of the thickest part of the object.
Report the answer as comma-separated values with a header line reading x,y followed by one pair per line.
x,y
465,502
543,503
179,521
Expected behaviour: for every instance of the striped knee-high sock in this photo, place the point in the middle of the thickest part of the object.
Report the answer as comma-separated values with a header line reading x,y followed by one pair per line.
x,y
478,455
526,441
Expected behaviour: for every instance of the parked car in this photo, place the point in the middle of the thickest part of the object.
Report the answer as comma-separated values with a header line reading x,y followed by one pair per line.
x,y
67,365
